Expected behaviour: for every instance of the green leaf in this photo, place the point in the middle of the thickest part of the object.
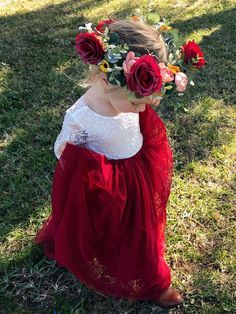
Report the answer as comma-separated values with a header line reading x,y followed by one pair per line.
x,y
175,38
123,51
131,95
178,53
169,88
153,18
194,60
137,54
163,89
114,39
118,83
171,57
125,46
174,31
138,96
117,78
169,91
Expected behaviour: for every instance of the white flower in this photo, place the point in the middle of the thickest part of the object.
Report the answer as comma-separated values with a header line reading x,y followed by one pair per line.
x,y
88,27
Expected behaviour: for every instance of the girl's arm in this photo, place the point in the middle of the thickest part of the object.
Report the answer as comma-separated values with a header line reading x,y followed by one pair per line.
x,y
71,132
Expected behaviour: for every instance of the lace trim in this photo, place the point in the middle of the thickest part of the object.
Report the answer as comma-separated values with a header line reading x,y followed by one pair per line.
x,y
71,132
133,286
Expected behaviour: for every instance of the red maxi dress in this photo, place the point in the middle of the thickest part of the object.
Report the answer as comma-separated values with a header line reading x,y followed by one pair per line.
x,y
108,216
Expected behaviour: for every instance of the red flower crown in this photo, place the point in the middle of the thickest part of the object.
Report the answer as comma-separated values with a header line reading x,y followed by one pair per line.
x,y
143,75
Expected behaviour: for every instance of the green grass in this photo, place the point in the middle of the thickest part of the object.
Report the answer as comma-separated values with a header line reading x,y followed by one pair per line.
x,y
39,72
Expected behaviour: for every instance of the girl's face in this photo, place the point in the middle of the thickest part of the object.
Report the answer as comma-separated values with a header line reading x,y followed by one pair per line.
x,y
119,100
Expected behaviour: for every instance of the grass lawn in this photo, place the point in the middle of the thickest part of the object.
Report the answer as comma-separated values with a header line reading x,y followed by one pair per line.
x,y
39,70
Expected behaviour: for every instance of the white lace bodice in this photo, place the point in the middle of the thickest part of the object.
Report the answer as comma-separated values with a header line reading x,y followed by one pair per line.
x,y
116,137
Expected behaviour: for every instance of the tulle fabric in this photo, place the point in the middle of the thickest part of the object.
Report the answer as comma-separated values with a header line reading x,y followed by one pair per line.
x,y
108,216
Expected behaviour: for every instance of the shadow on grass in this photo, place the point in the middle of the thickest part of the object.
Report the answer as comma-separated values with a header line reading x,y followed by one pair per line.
x,y
195,133
217,80
36,49
40,286
37,57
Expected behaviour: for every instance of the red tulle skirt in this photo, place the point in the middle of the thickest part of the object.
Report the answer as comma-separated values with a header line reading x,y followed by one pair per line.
x,y
108,216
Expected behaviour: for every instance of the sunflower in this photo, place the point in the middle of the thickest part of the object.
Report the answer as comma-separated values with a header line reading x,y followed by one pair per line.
x,y
104,66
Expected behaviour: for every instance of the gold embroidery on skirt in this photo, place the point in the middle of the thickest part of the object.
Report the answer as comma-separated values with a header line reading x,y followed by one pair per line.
x,y
100,271
135,285
157,201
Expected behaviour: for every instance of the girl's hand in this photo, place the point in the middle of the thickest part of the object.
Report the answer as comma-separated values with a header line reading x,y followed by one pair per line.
x,y
155,100
148,100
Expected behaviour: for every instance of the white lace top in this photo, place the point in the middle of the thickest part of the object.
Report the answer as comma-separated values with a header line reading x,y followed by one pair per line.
x,y
116,137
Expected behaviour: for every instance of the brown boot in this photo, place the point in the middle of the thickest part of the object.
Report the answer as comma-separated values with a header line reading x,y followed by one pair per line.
x,y
170,298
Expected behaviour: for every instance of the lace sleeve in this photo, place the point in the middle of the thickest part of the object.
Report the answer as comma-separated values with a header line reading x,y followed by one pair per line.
x,y
71,132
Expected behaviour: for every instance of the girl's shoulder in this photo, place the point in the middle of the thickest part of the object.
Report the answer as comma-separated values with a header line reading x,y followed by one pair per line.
x,y
78,110
83,115
76,106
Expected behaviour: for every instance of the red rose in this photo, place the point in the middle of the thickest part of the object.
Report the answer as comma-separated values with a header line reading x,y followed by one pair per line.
x,y
192,51
89,47
101,25
144,76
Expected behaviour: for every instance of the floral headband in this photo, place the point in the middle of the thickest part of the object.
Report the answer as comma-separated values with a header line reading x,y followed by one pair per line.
x,y
143,75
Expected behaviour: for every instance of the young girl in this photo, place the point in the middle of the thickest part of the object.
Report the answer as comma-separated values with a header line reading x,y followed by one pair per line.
x,y
112,181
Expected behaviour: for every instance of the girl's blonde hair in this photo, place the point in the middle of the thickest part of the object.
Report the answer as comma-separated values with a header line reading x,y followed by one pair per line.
x,y
140,37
